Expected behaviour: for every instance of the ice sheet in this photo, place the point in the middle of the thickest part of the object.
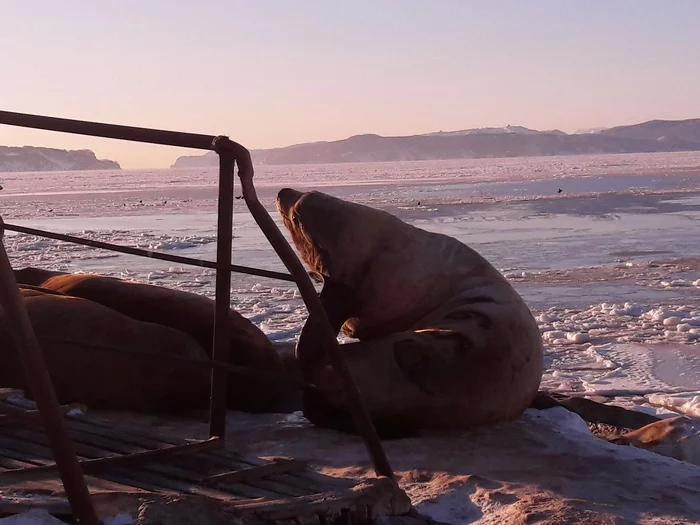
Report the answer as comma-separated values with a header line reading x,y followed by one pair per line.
x,y
609,266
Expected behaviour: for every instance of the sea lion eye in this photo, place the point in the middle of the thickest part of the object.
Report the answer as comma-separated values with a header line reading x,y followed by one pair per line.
x,y
295,219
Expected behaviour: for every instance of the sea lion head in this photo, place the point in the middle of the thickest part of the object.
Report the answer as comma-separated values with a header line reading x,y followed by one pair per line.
x,y
335,238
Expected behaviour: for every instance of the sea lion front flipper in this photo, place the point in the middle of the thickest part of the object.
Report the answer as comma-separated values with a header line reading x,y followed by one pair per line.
x,y
339,302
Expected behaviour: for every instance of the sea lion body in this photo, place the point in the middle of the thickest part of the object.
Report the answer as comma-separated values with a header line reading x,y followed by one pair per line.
x,y
73,332
190,313
444,340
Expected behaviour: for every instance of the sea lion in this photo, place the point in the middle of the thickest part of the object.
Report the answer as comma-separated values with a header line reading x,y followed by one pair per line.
x,y
444,340
192,314
675,437
73,333
593,411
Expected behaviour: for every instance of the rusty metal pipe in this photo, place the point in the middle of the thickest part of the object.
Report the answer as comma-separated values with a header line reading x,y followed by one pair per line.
x,y
32,360
224,233
329,342
110,131
140,252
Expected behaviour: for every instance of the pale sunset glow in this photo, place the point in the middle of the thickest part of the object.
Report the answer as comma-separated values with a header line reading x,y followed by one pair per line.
x,y
276,73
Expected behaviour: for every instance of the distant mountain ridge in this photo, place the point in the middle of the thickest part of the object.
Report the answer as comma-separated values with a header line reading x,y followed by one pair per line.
x,y
509,141
31,158
493,131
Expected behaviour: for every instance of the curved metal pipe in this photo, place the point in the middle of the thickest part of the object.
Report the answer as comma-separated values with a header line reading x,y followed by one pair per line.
x,y
308,293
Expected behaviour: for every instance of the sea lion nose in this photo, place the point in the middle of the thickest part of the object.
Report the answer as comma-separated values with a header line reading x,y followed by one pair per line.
x,y
287,197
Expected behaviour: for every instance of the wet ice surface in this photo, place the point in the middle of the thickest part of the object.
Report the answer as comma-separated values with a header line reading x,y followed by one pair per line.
x,y
610,266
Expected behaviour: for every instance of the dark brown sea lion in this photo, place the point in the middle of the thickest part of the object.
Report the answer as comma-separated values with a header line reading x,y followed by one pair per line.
x,y
73,333
190,313
445,340
593,411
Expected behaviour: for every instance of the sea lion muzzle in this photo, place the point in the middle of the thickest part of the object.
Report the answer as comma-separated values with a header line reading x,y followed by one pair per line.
x,y
286,198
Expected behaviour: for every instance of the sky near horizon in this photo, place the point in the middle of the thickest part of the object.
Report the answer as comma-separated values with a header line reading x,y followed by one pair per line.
x,y
273,73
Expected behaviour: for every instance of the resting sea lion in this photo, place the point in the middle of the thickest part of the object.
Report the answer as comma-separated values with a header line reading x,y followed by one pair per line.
x,y
675,437
594,412
190,313
72,333
445,340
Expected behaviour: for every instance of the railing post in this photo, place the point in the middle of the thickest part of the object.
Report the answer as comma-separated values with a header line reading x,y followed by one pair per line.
x,y
219,378
29,354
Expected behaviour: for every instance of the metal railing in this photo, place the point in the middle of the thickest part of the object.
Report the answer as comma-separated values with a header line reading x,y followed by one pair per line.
x,y
230,153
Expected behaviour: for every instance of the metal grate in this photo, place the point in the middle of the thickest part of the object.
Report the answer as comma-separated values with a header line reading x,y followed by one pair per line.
x,y
133,462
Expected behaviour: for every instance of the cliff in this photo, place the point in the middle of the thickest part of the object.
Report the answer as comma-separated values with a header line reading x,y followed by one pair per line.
x,y
30,158
510,141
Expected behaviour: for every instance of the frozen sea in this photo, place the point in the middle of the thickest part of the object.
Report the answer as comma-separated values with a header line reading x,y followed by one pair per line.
x,y
610,265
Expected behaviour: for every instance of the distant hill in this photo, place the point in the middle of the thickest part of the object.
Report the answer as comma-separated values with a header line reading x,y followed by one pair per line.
x,y
675,131
30,158
509,141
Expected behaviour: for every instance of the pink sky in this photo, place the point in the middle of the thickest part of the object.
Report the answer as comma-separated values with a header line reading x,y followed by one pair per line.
x,y
276,73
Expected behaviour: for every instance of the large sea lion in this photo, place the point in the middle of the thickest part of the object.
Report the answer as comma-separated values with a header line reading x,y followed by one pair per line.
x,y
192,314
444,340
75,336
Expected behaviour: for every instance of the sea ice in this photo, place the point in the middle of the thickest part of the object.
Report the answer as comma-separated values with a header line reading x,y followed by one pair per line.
x,y
687,403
